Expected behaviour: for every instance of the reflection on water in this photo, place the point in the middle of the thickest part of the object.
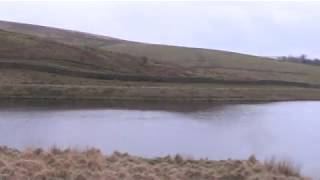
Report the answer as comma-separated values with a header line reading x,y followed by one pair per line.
x,y
286,130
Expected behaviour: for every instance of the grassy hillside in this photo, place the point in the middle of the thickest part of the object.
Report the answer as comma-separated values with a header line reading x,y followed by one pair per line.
x,y
73,64
188,61
60,35
222,64
16,47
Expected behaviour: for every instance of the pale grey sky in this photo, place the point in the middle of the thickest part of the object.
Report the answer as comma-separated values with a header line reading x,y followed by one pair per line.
x,y
261,28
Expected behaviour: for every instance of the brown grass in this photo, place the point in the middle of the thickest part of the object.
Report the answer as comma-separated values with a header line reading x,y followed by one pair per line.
x,y
286,167
74,164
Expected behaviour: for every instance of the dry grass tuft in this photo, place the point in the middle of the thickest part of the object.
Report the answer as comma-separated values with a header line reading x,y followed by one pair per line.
x,y
286,167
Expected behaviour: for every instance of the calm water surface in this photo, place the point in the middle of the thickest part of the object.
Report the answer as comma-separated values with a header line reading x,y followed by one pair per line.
x,y
287,130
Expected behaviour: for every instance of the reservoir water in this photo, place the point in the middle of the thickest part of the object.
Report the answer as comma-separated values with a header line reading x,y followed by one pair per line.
x,y
286,130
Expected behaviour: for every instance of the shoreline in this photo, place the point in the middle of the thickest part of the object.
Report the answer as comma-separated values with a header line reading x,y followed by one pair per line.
x,y
157,92
175,106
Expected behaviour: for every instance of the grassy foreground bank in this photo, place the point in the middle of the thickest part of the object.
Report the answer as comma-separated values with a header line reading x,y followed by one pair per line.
x,y
72,164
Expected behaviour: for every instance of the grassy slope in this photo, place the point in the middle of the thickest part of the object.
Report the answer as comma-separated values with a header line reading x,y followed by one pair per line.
x,y
51,50
192,61
20,47
222,64
201,62
60,35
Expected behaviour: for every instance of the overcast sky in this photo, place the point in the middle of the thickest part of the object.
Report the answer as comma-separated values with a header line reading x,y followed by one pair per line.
x,y
268,29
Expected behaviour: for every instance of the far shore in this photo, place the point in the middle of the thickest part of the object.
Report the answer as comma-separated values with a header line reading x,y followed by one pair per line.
x,y
158,92
173,105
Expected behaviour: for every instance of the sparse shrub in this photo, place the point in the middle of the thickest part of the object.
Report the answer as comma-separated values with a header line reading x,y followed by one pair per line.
x,y
144,60
252,159
37,151
178,158
55,150
300,59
